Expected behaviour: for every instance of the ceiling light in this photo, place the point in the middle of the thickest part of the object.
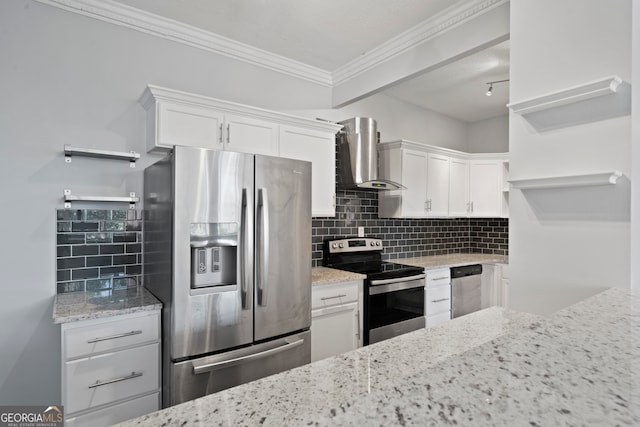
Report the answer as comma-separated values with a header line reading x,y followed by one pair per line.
x,y
490,91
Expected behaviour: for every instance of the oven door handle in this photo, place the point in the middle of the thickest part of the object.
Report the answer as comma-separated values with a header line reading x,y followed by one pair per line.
x,y
413,282
397,279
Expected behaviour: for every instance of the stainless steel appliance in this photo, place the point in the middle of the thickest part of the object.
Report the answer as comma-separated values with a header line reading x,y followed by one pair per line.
x,y
393,293
466,290
358,156
227,249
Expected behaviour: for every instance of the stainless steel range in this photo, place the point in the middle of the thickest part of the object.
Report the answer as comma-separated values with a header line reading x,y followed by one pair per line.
x,y
393,293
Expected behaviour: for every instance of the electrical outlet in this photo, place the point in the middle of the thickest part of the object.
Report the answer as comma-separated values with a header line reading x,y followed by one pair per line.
x,y
360,231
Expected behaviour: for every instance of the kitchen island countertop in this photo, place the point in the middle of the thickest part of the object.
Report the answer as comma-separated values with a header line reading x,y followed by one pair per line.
x,y
580,366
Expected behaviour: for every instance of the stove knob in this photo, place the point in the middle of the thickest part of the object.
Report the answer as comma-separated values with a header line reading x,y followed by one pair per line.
x,y
377,243
333,245
372,244
341,245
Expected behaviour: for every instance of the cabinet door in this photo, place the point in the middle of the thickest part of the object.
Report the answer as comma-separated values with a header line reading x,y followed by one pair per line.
x,y
437,185
458,188
334,330
249,135
414,177
187,125
319,149
485,188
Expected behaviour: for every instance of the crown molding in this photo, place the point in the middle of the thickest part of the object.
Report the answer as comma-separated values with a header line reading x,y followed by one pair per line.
x,y
126,16
149,23
457,14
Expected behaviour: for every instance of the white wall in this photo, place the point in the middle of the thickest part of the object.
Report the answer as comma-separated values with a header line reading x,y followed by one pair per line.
x,y
488,136
635,151
567,244
400,120
68,79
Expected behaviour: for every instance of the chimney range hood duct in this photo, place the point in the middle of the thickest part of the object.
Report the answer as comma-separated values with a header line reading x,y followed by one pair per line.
x,y
358,156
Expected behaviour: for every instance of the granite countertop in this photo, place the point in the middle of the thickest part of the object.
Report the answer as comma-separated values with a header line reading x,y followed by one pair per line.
x,y
324,275
453,260
494,367
75,306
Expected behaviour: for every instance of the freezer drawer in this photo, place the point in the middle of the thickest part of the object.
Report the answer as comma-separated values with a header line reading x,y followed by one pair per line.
x,y
199,377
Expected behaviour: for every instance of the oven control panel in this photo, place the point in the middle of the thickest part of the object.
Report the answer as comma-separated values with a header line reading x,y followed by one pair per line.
x,y
356,244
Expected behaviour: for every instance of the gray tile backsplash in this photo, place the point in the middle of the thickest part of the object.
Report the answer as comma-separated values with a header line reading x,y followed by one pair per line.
x,y
102,249
98,249
404,238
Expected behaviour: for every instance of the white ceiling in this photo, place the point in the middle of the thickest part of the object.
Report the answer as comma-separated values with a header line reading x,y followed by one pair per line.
x,y
328,34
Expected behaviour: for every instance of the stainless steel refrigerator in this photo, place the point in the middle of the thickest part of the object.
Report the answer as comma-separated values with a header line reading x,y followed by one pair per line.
x,y
227,249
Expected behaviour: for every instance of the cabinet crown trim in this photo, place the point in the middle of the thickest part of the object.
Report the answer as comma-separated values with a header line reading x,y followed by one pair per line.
x,y
412,145
154,93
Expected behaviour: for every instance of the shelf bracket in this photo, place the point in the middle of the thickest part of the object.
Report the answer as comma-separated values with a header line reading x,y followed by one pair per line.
x,y
69,197
70,151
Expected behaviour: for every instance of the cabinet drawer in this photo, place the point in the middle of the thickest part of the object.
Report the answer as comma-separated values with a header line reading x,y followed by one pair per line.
x,y
117,413
438,277
108,335
437,300
438,319
328,295
110,377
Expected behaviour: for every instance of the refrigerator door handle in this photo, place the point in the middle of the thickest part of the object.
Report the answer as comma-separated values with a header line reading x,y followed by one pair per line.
x,y
243,249
263,246
203,367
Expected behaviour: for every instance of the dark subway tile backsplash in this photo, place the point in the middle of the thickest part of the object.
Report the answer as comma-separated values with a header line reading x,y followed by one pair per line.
x,y
98,249
406,238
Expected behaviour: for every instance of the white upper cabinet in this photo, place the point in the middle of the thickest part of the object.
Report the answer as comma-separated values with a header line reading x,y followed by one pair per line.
x,y
409,168
180,118
440,183
458,187
249,135
485,188
319,148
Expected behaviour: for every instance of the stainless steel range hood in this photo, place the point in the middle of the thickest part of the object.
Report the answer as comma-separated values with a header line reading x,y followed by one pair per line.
x,y
358,156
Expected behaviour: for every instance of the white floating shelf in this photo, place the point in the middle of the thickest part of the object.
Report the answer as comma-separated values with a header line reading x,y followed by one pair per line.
x,y
605,178
598,100
571,95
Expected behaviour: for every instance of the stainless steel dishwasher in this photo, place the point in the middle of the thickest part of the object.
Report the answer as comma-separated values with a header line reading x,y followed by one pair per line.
x,y
466,289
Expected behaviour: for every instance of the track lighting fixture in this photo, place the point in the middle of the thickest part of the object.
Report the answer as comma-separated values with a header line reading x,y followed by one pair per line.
x,y
490,91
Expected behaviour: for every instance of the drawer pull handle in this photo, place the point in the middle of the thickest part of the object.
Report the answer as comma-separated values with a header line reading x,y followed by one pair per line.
x,y
440,300
113,337
333,297
128,377
441,278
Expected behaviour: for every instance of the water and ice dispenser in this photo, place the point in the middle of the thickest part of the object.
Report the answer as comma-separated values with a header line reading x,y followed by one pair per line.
x,y
214,248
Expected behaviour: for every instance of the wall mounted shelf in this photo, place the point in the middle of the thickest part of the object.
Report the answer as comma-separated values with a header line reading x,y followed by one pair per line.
x,y
70,151
596,100
605,178
68,198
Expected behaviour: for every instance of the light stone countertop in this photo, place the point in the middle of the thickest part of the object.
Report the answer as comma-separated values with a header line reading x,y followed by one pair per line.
x,y
325,275
452,260
75,306
580,366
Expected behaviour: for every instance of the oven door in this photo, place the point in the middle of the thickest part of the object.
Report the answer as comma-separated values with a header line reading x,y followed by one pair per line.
x,y
393,307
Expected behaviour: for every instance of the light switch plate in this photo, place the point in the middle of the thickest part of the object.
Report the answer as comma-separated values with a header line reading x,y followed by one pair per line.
x,y
360,231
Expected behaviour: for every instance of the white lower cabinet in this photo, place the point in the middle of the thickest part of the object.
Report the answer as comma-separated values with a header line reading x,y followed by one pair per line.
x,y
437,297
336,321
111,368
